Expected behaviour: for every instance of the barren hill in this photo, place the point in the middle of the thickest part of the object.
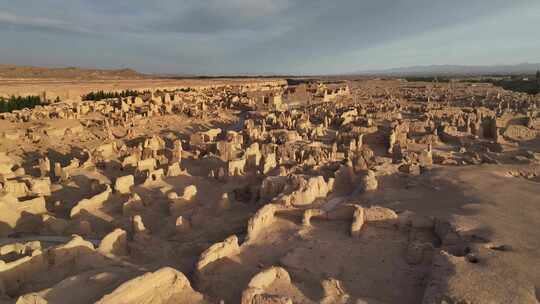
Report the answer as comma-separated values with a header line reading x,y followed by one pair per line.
x,y
454,70
16,71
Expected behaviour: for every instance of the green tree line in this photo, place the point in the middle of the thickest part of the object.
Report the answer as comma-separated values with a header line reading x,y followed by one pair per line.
x,y
18,103
525,86
99,95
427,79
515,83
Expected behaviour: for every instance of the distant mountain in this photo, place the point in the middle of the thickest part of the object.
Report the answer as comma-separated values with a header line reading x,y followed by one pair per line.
x,y
457,70
17,71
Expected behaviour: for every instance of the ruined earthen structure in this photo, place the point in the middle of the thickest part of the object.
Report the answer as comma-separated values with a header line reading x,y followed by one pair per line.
x,y
267,191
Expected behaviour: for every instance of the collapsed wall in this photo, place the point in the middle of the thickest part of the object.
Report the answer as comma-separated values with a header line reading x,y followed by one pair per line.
x,y
13,211
77,253
295,190
228,247
357,215
255,291
92,203
262,219
165,285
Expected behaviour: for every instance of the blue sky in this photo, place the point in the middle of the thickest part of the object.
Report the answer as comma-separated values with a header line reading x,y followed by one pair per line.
x,y
267,36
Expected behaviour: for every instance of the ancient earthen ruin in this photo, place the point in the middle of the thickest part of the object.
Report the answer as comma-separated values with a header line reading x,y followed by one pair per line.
x,y
265,191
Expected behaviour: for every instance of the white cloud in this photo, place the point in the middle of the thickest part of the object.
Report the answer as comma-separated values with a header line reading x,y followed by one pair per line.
x,y
249,8
39,23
